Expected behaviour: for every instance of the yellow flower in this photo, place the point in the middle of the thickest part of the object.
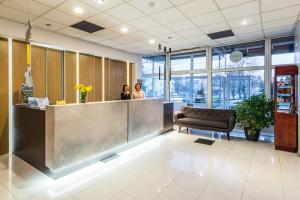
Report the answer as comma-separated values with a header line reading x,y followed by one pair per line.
x,y
89,88
83,88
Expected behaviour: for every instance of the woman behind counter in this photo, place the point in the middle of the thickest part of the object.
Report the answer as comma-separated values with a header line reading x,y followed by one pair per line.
x,y
125,95
138,93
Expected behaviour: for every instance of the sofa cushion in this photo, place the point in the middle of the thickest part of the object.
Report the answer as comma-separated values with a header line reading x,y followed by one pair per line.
x,y
201,122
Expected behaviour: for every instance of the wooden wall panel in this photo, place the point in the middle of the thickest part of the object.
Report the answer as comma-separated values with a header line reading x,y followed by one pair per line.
x,y
38,69
106,77
70,77
131,76
117,78
54,75
4,144
87,73
18,69
98,79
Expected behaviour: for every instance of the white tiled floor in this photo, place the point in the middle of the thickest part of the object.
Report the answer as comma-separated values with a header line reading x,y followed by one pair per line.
x,y
170,167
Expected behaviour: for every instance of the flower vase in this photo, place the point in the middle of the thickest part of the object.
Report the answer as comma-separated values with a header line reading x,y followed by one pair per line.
x,y
82,97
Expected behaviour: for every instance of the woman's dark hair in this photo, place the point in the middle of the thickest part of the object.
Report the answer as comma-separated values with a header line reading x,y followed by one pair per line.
x,y
124,87
137,85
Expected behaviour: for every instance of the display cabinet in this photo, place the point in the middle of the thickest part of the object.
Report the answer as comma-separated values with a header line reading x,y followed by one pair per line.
x,y
285,107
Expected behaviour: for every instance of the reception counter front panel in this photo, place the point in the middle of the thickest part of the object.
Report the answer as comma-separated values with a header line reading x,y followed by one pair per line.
x,y
76,135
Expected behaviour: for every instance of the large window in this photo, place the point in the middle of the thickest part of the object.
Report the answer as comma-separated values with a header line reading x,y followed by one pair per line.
x,y
253,55
188,85
282,50
153,76
228,88
282,53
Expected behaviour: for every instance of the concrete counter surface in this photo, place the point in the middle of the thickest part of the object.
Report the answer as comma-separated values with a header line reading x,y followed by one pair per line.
x,y
77,132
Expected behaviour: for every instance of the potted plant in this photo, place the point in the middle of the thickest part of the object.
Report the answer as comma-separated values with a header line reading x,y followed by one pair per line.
x,y
254,114
83,90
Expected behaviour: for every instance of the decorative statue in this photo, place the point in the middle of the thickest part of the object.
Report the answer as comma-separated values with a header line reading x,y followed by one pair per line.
x,y
27,87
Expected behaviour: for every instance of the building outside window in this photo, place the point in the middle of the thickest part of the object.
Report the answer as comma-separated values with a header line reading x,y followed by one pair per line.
x,y
188,85
153,76
233,82
282,53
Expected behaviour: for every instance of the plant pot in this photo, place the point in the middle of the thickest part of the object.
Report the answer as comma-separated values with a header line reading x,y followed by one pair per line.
x,y
82,97
252,136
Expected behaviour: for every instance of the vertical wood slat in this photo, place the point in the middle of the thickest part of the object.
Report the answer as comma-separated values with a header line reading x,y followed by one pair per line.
x,y
18,69
87,73
117,78
4,144
70,77
98,79
131,76
54,75
106,77
38,69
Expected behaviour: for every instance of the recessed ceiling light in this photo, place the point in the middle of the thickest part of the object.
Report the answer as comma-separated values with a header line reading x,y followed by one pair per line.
x,y
78,10
124,30
100,1
151,4
245,22
152,41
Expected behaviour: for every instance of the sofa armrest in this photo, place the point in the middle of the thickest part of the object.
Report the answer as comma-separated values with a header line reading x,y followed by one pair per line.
x,y
231,123
177,116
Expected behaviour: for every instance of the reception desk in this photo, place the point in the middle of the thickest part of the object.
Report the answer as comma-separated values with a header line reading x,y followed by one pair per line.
x,y
61,139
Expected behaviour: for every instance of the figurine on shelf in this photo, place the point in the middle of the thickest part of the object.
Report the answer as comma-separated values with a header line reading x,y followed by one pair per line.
x,y
27,87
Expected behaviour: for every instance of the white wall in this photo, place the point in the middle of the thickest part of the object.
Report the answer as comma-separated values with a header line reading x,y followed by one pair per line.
x,y
297,61
17,31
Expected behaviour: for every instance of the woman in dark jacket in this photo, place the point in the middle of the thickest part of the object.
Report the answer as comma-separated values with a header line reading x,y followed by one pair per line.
x,y
125,95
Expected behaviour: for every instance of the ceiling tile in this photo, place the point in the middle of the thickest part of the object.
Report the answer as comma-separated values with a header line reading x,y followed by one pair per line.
x,y
145,8
241,10
190,33
123,39
107,34
73,32
135,44
104,20
229,40
198,38
125,12
61,17
229,3
29,6
140,35
42,23
279,31
207,19
180,25
69,6
198,7
280,14
14,15
168,16
170,37
51,3
250,20
109,43
107,4
92,38
143,23
279,23
118,28
158,31
247,29
251,36
268,5
215,28
178,2
209,43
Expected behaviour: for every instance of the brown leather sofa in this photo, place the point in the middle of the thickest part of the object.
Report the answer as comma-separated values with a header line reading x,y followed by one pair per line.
x,y
206,119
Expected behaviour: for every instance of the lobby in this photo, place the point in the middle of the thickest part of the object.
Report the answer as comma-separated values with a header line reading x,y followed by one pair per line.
x,y
149,99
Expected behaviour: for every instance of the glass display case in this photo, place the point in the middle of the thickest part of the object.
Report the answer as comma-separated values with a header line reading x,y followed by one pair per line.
x,y
285,101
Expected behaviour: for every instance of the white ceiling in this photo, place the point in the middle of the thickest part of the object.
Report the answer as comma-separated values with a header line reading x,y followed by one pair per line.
x,y
186,21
